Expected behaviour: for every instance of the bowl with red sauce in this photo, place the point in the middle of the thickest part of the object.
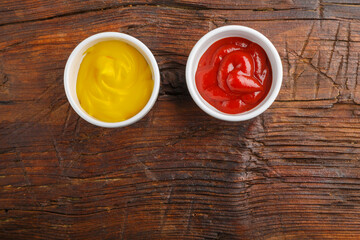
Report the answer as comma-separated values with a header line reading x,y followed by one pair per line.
x,y
234,73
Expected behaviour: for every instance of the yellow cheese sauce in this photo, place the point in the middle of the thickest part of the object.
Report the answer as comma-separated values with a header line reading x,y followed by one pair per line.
x,y
114,82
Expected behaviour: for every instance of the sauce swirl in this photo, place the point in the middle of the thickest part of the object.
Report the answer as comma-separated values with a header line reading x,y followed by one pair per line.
x,y
234,75
114,82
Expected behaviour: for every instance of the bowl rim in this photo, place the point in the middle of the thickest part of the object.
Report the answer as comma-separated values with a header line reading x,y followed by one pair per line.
x,y
276,66
134,42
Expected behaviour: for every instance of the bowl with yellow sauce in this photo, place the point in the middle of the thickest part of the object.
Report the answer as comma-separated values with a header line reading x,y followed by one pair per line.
x,y
111,79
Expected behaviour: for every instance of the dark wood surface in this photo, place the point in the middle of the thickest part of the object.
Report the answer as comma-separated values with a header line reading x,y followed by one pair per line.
x,y
291,173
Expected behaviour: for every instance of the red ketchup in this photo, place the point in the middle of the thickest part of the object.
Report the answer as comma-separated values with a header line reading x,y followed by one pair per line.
x,y
234,75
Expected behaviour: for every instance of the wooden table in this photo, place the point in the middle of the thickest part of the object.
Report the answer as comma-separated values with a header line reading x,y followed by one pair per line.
x,y
291,173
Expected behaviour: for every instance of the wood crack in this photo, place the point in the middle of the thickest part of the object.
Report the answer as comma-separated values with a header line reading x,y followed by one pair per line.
x,y
55,16
296,75
333,47
58,213
11,45
58,155
317,83
307,40
305,60
149,173
164,215
340,67
67,119
343,4
124,222
287,59
9,102
19,159
357,69
321,9
347,55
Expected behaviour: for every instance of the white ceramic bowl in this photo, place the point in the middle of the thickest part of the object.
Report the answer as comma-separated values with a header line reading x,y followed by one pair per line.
x,y
234,31
72,69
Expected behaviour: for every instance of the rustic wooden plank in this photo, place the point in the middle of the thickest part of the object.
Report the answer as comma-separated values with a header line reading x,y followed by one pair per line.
x,y
21,11
191,169
291,173
347,9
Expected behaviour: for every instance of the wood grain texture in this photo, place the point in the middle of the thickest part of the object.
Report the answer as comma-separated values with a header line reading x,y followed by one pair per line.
x,y
291,173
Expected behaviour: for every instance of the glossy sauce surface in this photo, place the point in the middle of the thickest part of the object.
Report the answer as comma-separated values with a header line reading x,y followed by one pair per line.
x,y
114,81
234,75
